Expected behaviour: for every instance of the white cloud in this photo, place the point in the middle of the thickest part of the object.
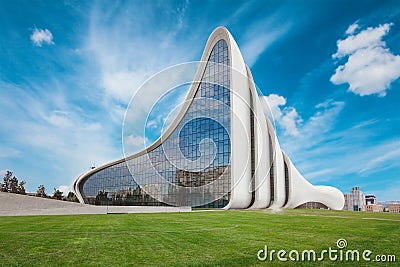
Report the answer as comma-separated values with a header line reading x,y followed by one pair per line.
x,y
290,121
65,189
275,101
40,36
133,143
352,28
59,118
287,118
135,140
121,85
370,66
369,38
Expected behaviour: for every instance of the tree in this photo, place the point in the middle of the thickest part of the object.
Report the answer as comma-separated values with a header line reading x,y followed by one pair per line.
x,y
13,185
10,184
71,197
41,192
102,198
21,188
57,194
6,185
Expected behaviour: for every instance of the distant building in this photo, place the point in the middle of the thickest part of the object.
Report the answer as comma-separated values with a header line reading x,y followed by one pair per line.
x,y
371,204
355,200
375,208
385,203
370,199
394,207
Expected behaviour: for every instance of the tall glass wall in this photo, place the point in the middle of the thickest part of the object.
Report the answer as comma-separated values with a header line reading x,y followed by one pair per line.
x,y
194,160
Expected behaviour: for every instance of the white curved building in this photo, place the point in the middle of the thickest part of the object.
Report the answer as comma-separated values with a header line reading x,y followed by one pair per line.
x,y
220,151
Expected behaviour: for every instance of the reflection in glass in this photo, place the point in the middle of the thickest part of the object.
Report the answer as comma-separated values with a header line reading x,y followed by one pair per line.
x,y
197,153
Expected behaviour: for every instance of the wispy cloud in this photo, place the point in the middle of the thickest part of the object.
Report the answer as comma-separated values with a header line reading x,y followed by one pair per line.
x,y
40,37
126,55
370,67
391,192
48,128
181,10
286,117
325,155
9,152
306,148
386,156
74,120
261,34
259,41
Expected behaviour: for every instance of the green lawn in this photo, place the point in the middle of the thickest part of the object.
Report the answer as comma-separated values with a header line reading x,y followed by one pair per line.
x,y
203,238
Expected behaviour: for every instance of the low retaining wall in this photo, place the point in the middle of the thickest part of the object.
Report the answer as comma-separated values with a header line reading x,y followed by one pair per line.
x,y
22,205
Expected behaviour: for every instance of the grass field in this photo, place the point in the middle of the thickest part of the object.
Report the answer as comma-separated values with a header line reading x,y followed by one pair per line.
x,y
203,238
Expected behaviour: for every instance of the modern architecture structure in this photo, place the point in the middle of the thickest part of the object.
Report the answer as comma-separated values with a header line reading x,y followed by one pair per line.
x,y
220,151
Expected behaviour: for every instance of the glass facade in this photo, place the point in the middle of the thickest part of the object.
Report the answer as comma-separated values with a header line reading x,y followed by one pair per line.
x,y
312,205
191,167
286,184
253,151
271,172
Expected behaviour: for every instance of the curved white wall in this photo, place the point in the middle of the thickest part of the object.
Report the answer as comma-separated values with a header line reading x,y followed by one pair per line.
x,y
240,125
262,194
302,191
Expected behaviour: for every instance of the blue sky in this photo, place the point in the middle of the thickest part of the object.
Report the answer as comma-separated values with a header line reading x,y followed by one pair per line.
x,y
330,70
